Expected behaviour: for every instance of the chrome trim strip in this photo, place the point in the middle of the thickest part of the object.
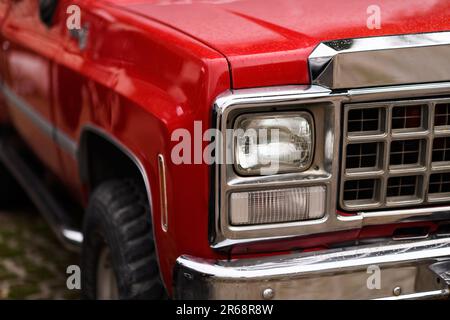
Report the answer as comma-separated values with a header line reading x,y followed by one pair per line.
x,y
381,61
436,294
65,142
403,215
269,95
291,98
312,262
311,275
62,139
27,110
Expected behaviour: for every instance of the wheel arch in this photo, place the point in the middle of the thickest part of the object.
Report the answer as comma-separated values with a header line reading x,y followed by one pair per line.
x,y
93,142
96,145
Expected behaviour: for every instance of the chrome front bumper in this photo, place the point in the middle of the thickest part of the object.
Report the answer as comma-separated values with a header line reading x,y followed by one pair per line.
x,y
407,270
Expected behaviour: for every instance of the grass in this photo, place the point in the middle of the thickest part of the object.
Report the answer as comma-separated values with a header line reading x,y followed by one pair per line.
x,y
23,290
35,256
6,275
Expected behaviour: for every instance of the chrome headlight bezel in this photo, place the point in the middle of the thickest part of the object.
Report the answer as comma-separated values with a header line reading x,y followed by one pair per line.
x,y
318,173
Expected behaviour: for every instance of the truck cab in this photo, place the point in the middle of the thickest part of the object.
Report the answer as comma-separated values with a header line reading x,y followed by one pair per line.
x,y
234,149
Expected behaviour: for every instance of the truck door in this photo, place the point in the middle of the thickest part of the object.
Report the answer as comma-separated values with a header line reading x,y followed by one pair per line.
x,y
4,7
29,45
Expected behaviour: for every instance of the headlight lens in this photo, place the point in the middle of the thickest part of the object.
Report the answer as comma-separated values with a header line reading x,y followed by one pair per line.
x,y
277,206
271,144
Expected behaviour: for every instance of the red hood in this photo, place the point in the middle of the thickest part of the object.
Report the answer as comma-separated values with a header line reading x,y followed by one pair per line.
x,y
267,42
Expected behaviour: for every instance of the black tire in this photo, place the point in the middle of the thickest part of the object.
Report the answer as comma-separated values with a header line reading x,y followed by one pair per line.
x,y
118,216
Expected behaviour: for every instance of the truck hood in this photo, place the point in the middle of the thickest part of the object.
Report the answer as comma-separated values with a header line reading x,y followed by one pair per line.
x,y
268,42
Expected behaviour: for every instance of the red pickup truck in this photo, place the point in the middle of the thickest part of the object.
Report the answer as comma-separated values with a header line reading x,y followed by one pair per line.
x,y
116,118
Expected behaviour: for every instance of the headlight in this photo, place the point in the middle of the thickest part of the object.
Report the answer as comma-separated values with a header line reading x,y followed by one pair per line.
x,y
271,144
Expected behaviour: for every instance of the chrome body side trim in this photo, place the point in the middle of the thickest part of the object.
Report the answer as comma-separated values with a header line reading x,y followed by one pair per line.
x,y
295,98
381,61
63,140
332,274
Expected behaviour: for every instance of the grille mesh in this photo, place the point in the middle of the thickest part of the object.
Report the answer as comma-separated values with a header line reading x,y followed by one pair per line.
x,y
439,183
404,152
407,117
361,120
395,154
360,189
401,186
441,149
442,114
362,155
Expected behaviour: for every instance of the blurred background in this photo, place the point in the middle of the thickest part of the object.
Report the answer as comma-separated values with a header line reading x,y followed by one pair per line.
x,y
33,263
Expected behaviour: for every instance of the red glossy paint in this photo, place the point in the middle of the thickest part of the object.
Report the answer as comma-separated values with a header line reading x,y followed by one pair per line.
x,y
28,50
151,67
4,7
268,42
139,81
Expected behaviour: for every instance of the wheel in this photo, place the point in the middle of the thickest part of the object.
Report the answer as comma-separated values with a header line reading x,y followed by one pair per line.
x,y
118,254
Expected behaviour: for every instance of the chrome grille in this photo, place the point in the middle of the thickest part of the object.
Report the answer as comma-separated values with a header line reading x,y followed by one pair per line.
x,y
407,117
361,120
439,183
441,149
442,114
406,152
357,190
362,155
395,154
402,186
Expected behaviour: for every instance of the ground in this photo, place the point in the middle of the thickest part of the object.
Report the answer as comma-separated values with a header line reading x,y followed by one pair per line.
x,y
33,263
